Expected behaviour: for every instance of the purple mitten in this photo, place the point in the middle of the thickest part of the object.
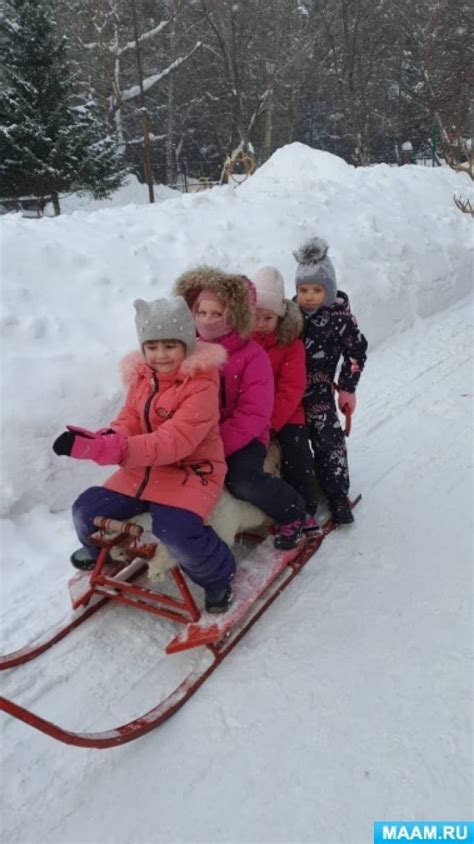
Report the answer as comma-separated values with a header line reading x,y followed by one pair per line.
x,y
346,399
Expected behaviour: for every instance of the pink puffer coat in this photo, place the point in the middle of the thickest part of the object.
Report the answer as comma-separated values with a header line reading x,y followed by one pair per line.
x,y
175,454
246,396
246,393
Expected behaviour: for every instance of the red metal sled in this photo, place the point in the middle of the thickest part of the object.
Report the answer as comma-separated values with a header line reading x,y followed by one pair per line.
x,y
257,584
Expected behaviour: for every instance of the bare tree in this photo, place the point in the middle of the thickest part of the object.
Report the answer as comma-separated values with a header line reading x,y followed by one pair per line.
x,y
357,77
129,59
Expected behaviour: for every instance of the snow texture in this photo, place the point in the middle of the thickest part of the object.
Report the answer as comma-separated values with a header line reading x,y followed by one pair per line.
x,y
350,700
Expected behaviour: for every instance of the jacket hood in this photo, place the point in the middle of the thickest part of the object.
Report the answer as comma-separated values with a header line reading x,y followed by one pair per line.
x,y
291,325
342,301
205,357
235,290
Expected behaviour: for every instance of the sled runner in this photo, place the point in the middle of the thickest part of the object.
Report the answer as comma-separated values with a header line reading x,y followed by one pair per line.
x,y
258,582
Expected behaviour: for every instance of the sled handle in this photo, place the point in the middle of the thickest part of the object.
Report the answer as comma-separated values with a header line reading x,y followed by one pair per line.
x,y
346,411
348,414
114,526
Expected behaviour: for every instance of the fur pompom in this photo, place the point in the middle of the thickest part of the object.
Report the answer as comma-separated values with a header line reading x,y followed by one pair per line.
x,y
312,251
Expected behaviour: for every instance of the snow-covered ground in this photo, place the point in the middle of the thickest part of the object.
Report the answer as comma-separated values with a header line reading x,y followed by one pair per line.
x,y
350,700
132,192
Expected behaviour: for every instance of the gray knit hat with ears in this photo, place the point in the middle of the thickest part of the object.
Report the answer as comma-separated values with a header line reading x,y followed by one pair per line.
x,y
165,319
314,267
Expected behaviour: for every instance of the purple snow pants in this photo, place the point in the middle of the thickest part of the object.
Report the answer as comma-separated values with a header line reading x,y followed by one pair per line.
x,y
201,554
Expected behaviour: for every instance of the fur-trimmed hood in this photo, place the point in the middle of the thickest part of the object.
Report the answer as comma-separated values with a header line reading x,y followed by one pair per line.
x,y
291,325
205,357
286,353
234,290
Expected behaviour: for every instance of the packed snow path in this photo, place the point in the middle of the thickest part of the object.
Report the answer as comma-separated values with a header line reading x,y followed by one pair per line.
x,y
348,702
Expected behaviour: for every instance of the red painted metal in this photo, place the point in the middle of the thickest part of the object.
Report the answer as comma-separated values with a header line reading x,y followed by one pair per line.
x,y
348,414
101,588
166,708
148,600
202,632
42,644
182,609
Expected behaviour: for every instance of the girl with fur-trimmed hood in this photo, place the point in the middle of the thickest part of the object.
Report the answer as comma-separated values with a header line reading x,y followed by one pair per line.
x,y
278,325
222,305
167,444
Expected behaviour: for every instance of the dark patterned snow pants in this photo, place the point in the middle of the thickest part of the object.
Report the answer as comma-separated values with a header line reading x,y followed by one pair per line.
x,y
328,443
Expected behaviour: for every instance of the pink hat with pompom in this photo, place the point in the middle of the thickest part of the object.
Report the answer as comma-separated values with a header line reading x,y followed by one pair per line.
x,y
270,289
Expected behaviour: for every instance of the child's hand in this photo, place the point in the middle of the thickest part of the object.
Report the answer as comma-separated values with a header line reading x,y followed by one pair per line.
x,y
346,399
105,449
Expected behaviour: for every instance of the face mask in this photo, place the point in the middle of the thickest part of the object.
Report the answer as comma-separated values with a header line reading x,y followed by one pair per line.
x,y
212,330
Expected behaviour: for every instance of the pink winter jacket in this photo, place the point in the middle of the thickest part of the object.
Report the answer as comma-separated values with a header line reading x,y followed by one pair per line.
x,y
175,454
246,393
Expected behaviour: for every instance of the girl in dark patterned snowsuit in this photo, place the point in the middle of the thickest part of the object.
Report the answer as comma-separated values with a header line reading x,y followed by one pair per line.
x,y
330,332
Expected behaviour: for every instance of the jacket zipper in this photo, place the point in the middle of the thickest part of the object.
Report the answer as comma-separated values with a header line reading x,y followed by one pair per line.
x,y
223,397
146,412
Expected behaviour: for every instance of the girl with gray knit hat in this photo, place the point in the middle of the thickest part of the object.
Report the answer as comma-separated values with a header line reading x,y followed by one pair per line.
x,y
166,444
330,333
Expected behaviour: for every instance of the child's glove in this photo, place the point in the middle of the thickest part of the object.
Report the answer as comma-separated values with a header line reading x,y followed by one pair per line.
x,y
349,399
106,448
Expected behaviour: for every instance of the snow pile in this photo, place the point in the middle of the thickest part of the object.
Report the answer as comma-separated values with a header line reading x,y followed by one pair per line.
x,y
400,248
132,192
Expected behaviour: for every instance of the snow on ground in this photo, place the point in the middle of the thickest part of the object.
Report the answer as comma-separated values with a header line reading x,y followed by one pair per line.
x,y
350,700
132,192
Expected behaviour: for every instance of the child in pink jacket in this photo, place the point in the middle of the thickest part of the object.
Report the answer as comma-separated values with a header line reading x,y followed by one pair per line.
x,y
278,326
223,310
167,444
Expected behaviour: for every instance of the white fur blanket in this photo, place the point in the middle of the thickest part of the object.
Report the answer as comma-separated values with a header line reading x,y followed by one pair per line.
x,y
229,518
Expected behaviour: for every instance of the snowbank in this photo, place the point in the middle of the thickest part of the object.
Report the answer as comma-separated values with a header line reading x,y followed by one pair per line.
x,y
132,192
400,247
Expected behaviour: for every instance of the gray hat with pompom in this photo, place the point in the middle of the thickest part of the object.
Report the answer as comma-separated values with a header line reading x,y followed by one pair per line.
x,y
165,319
314,267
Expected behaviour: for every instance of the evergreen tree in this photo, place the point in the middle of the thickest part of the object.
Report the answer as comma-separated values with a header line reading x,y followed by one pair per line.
x,y
50,142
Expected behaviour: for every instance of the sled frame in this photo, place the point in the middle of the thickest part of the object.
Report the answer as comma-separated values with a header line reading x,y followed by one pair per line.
x,y
167,707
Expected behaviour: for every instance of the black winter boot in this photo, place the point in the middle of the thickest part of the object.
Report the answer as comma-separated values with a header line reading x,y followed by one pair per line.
x,y
82,559
341,511
288,536
218,601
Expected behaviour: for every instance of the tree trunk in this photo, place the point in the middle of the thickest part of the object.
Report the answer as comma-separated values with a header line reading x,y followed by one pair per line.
x,y
55,201
267,127
115,96
169,162
144,112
